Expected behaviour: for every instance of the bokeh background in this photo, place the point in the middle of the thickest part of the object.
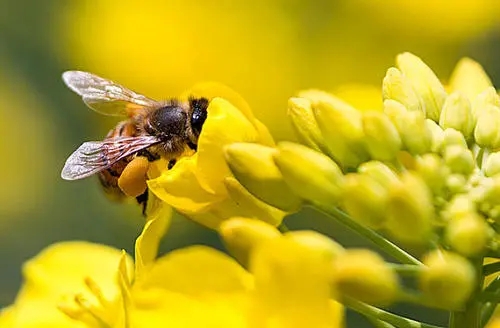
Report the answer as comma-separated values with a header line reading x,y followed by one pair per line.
x,y
267,50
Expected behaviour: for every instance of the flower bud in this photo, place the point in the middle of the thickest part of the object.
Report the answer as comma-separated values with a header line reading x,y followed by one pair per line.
x,y
364,199
424,82
469,77
488,97
304,123
341,127
437,135
459,160
457,114
409,209
382,139
416,136
379,172
430,167
242,235
447,280
132,181
489,191
364,275
453,137
309,174
317,242
456,183
253,166
396,86
468,234
487,130
251,207
492,165
460,205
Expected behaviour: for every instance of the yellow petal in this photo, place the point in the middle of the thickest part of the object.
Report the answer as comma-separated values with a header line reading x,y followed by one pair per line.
x,y
292,286
146,245
225,124
163,308
59,271
198,271
470,78
179,187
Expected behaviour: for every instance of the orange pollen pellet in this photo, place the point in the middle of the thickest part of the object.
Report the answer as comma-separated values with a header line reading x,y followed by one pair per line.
x,y
132,181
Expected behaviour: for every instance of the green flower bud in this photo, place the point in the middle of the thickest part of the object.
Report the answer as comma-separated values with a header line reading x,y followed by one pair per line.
x,y
488,97
242,235
487,130
397,87
456,183
341,127
469,77
417,138
460,205
381,136
364,199
489,191
430,167
457,114
379,172
304,123
425,83
309,174
437,135
409,209
448,279
468,234
363,275
253,166
492,164
317,242
459,160
453,137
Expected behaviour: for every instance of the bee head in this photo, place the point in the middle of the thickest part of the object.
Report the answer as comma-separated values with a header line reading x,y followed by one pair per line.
x,y
199,113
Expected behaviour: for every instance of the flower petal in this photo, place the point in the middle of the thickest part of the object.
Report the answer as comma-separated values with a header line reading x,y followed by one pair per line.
x,y
60,270
180,188
292,285
146,245
199,272
470,78
225,124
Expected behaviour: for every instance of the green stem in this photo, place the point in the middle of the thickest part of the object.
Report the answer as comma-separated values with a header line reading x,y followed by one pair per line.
x,y
379,314
406,270
384,244
470,317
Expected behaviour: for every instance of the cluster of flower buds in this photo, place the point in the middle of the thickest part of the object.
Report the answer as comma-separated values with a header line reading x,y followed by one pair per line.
x,y
420,168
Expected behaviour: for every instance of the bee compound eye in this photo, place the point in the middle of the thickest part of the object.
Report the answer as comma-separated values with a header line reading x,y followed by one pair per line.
x,y
132,181
199,114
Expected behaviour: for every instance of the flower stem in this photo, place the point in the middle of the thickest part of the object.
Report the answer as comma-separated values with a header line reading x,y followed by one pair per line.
x,y
491,268
379,314
384,244
406,270
489,307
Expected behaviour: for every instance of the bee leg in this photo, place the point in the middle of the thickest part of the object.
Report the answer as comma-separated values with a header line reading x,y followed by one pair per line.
x,y
171,163
143,201
192,146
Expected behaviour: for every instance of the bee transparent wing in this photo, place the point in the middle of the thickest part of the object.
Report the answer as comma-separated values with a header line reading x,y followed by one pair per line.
x,y
105,96
94,156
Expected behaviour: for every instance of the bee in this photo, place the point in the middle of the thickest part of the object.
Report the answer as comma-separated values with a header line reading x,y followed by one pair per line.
x,y
152,130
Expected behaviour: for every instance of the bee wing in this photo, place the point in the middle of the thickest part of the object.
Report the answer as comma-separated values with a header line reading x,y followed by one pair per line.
x,y
94,156
105,96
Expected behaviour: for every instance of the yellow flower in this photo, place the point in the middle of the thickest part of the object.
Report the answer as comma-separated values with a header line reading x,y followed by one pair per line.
x,y
287,285
64,269
201,185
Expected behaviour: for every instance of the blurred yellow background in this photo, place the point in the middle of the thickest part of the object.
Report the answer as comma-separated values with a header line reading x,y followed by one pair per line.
x,y
265,50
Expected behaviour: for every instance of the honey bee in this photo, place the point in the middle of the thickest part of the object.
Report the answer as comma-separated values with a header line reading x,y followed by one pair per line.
x,y
153,130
